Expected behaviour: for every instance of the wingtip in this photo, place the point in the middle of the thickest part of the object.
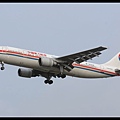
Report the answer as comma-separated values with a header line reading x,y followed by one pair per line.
x,y
105,47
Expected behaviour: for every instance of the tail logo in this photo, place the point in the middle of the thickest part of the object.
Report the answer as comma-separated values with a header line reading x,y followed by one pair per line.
x,y
119,56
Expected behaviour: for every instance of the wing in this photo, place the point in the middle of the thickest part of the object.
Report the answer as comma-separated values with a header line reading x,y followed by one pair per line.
x,y
79,57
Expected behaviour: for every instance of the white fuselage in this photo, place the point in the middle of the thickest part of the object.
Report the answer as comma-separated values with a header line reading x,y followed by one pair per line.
x,y
29,59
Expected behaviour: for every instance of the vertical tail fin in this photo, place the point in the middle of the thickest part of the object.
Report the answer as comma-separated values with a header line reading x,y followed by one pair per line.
x,y
114,62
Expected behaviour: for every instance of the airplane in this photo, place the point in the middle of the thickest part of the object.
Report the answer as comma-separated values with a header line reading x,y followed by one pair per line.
x,y
34,64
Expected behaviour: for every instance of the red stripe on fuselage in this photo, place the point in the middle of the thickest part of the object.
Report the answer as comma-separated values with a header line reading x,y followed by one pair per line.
x,y
98,69
26,55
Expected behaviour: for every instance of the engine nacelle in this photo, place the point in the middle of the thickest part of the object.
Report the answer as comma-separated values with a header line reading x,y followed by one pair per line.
x,y
45,61
25,72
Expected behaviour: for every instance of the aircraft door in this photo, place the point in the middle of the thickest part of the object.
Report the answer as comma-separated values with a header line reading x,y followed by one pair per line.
x,y
5,49
5,56
102,68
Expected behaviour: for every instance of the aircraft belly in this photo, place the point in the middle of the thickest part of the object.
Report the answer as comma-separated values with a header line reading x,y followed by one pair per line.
x,y
25,62
76,72
4,57
19,61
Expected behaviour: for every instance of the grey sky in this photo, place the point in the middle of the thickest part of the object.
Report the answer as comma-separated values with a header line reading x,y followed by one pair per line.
x,y
60,29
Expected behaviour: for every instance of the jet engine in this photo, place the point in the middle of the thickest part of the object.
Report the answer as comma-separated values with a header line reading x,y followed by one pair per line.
x,y
25,73
45,61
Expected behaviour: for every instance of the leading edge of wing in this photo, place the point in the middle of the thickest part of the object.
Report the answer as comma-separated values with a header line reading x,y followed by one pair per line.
x,y
82,56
